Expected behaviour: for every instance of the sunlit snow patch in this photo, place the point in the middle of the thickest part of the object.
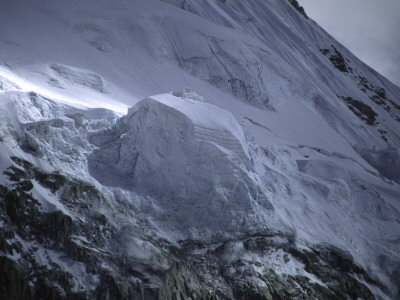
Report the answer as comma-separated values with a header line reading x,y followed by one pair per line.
x,y
21,84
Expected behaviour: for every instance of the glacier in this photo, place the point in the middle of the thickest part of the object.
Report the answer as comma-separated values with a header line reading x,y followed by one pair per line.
x,y
274,176
189,155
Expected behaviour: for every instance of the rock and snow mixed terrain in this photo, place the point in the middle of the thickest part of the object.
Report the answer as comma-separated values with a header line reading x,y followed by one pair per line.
x,y
281,181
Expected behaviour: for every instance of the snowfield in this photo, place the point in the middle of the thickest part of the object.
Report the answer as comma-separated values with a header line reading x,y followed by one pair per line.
x,y
275,175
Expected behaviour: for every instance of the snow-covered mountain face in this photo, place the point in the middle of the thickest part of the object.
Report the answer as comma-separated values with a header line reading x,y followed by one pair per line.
x,y
281,180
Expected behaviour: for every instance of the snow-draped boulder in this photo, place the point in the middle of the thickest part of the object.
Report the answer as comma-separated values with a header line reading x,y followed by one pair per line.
x,y
181,150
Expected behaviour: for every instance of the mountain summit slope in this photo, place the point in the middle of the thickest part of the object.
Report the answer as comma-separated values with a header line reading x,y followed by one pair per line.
x,y
274,176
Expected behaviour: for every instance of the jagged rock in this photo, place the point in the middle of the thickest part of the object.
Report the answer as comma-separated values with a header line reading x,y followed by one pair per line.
x,y
299,8
53,181
14,283
361,110
57,226
337,59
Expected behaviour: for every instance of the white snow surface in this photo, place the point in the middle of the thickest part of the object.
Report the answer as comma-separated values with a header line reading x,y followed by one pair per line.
x,y
268,147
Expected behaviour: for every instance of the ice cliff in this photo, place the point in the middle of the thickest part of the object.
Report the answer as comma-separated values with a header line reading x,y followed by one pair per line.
x,y
188,154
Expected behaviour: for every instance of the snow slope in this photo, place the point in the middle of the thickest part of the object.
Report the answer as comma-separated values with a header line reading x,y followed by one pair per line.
x,y
293,135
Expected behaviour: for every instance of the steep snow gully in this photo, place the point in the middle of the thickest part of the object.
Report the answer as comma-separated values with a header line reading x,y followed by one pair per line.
x,y
275,176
